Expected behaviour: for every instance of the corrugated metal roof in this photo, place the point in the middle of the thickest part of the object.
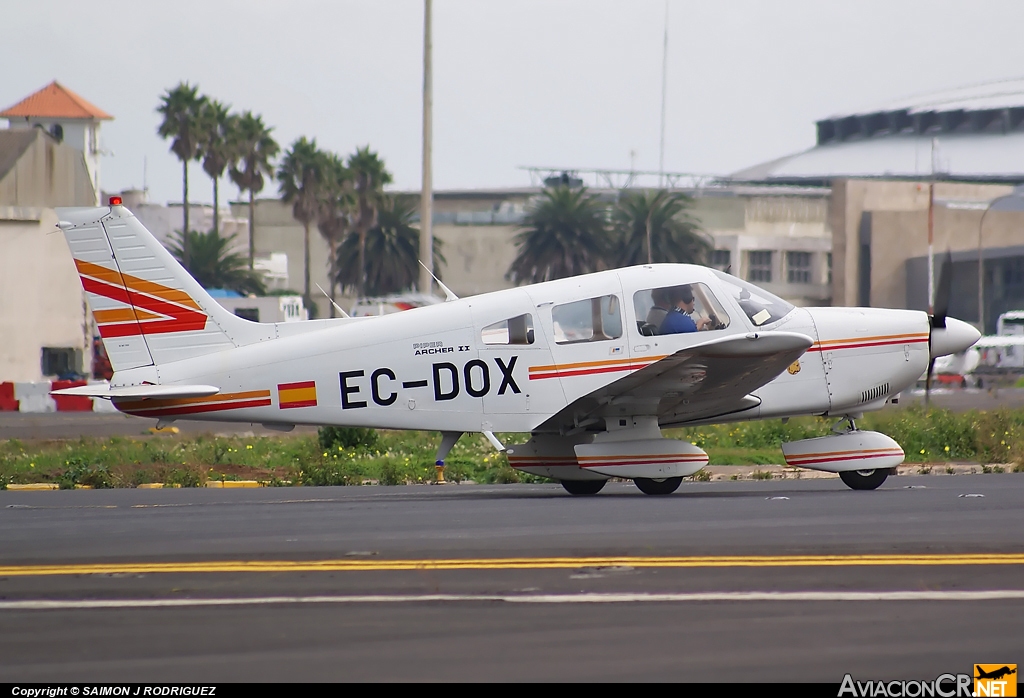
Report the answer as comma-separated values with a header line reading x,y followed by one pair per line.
x,y
55,102
983,157
993,95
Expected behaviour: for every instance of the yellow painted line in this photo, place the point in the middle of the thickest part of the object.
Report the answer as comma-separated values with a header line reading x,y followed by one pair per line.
x,y
151,486
231,484
527,563
35,487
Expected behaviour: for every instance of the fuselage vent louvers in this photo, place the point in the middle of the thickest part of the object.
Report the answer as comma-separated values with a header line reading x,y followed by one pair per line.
x,y
875,393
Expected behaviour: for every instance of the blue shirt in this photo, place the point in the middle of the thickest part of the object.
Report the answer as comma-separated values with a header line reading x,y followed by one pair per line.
x,y
676,322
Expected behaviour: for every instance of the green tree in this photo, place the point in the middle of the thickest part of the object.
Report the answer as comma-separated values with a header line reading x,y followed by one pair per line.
x,y
256,148
564,233
214,264
334,221
368,177
181,108
218,147
656,226
301,177
393,251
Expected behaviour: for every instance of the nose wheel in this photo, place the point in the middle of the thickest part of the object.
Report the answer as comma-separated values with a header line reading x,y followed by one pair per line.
x,y
864,479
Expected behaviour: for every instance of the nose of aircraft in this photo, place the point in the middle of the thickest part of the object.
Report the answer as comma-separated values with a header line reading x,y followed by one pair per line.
x,y
956,336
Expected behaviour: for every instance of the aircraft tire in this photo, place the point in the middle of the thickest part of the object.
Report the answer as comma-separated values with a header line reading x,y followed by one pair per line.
x,y
583,486
666,485
864,479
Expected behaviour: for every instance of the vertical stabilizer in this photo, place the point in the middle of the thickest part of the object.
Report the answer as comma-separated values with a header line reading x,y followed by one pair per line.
x,y
148,309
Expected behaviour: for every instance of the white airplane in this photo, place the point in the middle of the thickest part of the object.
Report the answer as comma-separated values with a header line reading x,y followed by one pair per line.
x,y
574,362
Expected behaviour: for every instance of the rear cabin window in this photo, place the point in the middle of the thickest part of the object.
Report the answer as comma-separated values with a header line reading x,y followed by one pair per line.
x,y
515,330
653,304
590,320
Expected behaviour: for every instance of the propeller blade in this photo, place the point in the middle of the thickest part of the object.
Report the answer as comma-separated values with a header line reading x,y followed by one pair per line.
x,y
943,291
928,383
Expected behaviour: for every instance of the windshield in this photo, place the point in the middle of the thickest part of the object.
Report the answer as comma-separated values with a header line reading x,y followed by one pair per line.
x,y
759,305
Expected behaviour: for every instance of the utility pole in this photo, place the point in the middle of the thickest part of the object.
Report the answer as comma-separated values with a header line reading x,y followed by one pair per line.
x,y
427,192
931,237
664,86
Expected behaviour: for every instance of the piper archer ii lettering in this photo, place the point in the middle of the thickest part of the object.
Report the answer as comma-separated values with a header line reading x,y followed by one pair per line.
x,y
592,367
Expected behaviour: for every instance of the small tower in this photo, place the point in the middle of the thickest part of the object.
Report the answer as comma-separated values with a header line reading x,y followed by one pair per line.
x,y
65,116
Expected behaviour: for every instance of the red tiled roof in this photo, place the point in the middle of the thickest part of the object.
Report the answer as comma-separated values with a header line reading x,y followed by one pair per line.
x,y
55,102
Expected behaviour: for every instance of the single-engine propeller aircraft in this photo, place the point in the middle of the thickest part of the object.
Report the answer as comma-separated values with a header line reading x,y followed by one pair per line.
x,y
586,365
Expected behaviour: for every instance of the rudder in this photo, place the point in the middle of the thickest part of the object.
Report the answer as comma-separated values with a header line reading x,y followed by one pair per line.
x,y
148,308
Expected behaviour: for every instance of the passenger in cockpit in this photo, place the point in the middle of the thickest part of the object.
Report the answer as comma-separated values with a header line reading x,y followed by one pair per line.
x,y
657,313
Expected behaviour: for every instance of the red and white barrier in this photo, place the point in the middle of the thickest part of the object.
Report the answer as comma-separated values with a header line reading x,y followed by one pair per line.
x,y
35,397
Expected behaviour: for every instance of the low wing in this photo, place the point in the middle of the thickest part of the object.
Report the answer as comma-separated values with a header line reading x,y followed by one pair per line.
x,y
707,380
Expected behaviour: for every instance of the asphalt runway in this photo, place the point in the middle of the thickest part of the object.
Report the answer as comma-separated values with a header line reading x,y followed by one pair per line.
x,y
514,582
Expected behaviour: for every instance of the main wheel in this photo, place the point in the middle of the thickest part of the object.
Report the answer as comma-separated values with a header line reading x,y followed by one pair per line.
x,y
583,486
864,479
666,485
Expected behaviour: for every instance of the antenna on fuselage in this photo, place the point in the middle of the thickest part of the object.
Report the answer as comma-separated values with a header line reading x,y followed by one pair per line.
x,y
448,295
336,306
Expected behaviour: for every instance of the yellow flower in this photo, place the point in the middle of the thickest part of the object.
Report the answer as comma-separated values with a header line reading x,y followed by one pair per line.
x,y
249,447
947,449
922,451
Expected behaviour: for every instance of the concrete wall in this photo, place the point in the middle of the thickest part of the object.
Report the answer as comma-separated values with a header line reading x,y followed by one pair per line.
x,y
41,299
48,174
899,230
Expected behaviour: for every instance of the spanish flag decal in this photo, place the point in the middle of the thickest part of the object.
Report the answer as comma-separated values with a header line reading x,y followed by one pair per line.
x,y
291,395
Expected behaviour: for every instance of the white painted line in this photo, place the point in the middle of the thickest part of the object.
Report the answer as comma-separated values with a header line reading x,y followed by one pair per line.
x,y
66,604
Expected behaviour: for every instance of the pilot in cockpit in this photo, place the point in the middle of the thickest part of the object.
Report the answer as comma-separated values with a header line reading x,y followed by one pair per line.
x,y
678,320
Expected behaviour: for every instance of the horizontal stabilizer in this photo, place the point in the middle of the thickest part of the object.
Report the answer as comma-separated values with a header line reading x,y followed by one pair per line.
x,y
140,392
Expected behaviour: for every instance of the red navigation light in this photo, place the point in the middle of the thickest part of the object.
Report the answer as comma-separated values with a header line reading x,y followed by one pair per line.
x,y
115,201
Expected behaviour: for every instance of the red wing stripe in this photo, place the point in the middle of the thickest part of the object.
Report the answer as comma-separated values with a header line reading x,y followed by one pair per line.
x,y
194,409
818,347
797,460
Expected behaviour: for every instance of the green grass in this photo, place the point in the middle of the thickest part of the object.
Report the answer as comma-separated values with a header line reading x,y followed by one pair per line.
x,y
351,457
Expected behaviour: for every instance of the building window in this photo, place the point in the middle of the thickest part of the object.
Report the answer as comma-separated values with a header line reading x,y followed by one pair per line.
x,y
61,361
759,267
798,267
828,260
721,260
252,314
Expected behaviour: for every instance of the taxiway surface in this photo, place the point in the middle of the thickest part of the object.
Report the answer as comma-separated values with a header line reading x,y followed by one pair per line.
x,y
367,613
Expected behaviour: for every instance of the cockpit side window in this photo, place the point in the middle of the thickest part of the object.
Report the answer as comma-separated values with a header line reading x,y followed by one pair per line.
x,y
760,306
515,330
589,320
692,307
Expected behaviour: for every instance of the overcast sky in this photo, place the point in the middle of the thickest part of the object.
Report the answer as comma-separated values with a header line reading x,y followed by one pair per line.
x,y
566,83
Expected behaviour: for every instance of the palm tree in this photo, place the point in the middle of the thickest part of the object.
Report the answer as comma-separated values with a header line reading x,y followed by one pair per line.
x,y
369,177
393,247
334,219
214,264
301,177
564,233
655,226
217,146
255,149
180,108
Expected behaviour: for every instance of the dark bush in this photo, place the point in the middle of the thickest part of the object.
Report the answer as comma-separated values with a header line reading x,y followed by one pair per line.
x,y
346,437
